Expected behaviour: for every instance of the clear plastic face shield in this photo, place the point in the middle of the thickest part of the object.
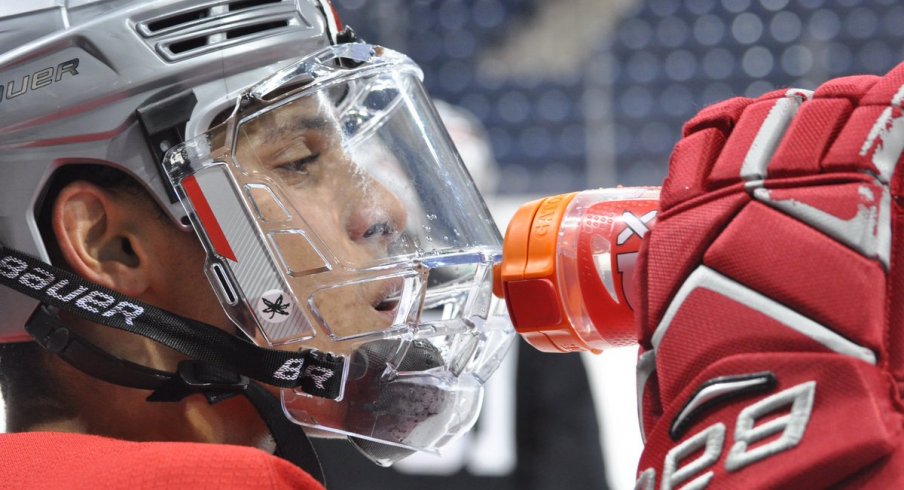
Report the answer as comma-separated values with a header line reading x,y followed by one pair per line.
x,y
337,216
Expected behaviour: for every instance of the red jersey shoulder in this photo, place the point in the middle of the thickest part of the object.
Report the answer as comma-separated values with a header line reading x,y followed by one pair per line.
x,y
73,461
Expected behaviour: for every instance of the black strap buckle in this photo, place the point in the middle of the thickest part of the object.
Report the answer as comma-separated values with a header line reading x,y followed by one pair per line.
x,y
216,383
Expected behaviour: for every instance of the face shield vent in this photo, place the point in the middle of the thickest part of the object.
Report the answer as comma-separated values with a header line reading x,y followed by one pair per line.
x,y
187,33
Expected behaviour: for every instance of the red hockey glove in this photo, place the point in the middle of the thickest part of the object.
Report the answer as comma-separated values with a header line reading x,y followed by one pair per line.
x,y
772,324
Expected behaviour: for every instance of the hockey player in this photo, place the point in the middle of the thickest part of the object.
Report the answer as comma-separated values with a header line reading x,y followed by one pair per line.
x,y
222,222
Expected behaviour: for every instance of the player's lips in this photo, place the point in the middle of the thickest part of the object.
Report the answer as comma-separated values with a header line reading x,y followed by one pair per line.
x,y
387,300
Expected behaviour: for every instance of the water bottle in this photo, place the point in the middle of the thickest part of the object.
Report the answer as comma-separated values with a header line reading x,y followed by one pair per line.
x,y
567,267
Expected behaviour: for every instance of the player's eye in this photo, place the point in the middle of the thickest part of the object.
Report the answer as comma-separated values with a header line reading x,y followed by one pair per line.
x,y
299,166
295,162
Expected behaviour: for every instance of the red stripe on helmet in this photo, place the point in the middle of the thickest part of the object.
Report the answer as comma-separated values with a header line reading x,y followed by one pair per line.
x,y
337,21
334,23
208,219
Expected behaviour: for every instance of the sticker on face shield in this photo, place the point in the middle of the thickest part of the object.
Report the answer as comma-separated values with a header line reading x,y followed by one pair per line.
x,y
275,306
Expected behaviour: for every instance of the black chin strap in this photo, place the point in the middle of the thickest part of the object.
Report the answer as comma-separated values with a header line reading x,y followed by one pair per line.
x,y
192,377
315,373
292,443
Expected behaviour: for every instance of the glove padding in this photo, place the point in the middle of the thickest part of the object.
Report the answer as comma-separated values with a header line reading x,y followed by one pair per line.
x,y
772,319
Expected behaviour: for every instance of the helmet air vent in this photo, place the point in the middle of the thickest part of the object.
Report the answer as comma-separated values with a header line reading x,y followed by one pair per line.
x,y
253,29
244,4
176,20
188,33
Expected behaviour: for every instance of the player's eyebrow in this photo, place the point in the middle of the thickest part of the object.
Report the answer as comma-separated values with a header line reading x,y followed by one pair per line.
x,y
295,125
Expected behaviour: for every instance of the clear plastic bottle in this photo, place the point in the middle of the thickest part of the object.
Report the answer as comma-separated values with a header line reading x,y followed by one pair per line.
x,y
567,267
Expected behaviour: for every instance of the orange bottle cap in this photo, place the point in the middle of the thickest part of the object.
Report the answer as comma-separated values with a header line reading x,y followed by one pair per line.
x,y
527,276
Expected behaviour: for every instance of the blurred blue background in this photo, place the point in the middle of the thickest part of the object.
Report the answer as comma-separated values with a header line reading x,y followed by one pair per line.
x,y
589,93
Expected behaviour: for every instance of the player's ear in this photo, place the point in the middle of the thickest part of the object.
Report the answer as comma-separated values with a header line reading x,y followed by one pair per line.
x,y
98,237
